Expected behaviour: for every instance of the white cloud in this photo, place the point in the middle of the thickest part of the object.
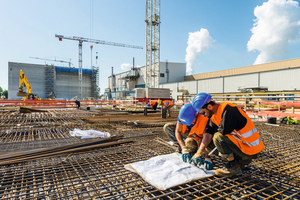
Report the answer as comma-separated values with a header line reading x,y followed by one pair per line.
x,y
276,25
126,66
198,43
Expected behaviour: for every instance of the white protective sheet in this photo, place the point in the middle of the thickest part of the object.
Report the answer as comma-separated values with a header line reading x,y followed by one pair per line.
x,y
89,133
167,171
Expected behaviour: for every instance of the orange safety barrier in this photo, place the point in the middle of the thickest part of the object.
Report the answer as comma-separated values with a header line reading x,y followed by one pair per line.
x,y
277,103
274,114
50,104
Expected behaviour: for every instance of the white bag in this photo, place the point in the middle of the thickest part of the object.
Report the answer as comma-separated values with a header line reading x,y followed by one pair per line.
x,y
167,171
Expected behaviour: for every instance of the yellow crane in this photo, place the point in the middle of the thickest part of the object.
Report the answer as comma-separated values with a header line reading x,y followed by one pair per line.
x,y
23,81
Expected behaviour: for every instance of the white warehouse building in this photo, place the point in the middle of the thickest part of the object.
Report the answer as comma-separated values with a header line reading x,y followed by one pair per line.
x,y
282,76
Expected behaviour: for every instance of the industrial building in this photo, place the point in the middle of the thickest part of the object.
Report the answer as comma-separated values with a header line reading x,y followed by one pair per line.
x,y
279,76
47,78
123,84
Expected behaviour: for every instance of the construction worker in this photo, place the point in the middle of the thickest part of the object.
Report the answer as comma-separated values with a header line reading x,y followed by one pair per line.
x,y
77,103
168,105
234,134
189,133
154,105
114,105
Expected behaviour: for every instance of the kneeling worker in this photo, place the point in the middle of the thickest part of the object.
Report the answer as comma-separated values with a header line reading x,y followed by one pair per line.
x,y
234,134
191,127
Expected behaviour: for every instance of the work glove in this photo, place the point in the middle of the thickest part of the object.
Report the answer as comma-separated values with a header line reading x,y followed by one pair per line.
x,y
186,156
196,159
208,165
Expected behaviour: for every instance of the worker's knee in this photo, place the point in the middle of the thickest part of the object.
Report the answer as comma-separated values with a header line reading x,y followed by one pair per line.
x,y
191,144
219,139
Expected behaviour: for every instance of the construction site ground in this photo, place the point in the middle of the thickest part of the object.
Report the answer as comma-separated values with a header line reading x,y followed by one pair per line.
x,y
40,159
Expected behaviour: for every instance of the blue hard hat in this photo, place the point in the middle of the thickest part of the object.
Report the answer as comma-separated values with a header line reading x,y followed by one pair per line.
x,y
187,114
200,99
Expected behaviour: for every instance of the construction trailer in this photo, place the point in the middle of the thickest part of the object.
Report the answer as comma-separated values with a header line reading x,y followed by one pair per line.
x,y
45,79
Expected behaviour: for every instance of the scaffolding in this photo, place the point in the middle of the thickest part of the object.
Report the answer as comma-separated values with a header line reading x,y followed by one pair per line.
x,y
95,82
49,79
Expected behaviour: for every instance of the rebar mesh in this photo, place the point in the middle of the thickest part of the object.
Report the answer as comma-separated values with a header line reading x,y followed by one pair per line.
x,y
100,173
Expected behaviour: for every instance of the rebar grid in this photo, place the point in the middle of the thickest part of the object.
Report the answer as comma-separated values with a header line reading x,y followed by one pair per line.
x,y
100,174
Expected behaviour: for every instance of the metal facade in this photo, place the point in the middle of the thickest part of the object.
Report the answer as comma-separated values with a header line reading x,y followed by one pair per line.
x,y
233,83
35,75
65,82
287,79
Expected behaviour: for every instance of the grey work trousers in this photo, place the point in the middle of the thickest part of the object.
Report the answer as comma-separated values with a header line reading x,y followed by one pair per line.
x,y
228,149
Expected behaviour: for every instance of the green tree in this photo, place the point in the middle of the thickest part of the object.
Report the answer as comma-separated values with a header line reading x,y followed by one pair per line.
x,y
1,90
5,93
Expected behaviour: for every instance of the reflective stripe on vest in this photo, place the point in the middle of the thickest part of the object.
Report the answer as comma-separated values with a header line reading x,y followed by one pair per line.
x,y
247,139
252,144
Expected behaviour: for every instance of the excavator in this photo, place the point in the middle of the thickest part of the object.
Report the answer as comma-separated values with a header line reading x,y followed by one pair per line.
x,y
24,82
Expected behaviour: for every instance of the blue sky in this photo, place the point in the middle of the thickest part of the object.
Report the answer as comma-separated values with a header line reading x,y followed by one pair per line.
x,y
28,28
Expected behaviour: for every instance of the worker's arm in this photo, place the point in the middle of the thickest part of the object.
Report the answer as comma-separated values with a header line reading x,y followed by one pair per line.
x,y
186,156
205,141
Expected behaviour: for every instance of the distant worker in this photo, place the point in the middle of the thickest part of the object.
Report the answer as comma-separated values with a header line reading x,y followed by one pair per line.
x,y
168,105
189,133
114,105
77,103
234,134
154,104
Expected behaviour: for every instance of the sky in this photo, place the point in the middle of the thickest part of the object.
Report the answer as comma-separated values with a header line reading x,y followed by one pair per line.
x,y
206,35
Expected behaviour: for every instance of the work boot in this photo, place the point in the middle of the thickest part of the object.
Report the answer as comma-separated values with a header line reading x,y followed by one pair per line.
x,y
243,163
230,169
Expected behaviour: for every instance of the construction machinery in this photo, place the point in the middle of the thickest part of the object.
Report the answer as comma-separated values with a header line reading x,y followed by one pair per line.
x,y
24,82
55,60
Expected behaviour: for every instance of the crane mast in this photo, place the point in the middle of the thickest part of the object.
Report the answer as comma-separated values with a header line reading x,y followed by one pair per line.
x,y
81,40
152,43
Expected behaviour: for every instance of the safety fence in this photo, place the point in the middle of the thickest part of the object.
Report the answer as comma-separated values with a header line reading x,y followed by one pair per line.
x,y
52,104
266,106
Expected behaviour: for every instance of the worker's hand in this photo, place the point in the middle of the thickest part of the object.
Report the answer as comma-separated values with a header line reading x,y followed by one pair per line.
x,y
196,159
186,156
208,165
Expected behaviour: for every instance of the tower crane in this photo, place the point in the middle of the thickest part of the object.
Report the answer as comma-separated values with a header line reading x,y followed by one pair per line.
x,y
62,61
81,40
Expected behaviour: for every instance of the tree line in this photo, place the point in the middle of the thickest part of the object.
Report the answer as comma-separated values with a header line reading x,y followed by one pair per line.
x,y
3,93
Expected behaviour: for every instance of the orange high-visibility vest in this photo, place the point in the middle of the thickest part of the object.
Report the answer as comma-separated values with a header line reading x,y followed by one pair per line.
x,y
152,103
170,103
198,129
247,139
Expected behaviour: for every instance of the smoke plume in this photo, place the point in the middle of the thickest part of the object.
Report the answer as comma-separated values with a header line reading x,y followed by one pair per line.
x,y
198,43
276,25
